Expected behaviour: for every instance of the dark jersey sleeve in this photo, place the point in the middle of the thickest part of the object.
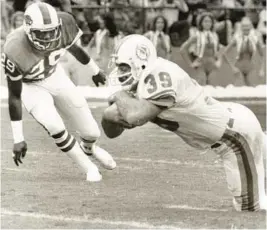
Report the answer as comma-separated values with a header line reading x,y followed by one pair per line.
x,y
70,30
10,68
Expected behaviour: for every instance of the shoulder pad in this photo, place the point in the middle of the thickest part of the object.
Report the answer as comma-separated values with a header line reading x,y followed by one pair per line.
x,y
19,51
70,30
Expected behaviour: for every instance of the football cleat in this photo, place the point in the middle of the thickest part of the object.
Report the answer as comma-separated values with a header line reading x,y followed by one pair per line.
x,y
100,155
93,175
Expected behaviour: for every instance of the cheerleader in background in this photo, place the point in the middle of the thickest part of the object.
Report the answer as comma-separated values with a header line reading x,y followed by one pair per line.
x,y
248,43
158,35
104,40
206,46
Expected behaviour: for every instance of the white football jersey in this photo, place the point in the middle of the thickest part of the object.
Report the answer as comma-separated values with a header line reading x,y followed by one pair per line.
x,y
188,111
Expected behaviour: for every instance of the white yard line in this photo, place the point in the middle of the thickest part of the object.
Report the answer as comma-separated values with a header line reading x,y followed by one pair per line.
x,y
173,162
16,169
84,219
186,207
91,105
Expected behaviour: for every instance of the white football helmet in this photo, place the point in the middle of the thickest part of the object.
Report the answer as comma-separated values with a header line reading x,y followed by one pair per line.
x,y
42,26
133,58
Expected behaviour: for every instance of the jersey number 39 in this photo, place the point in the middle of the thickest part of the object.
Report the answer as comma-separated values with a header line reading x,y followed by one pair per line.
x,y
165,81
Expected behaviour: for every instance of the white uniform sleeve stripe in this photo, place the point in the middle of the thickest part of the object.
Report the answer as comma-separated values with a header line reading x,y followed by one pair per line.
x,y
17,78
161,93
80,33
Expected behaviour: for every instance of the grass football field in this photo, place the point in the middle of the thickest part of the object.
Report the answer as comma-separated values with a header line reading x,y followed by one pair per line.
x,y
160,182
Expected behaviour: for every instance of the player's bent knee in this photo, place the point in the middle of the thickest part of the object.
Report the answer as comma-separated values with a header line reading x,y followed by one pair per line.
x,y
92,134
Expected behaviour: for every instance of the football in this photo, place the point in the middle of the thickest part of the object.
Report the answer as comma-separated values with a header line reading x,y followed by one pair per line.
x,y
112,129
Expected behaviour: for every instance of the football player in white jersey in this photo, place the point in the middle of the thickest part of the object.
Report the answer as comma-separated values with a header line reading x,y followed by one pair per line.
x,y
30,60
159,91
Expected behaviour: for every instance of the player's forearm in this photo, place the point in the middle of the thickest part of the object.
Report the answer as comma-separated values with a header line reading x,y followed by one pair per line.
x,y
112,114
15,112
15,108
84,58
135,111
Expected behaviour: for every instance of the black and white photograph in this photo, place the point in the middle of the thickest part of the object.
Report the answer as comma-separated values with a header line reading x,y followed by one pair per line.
x,y
133,114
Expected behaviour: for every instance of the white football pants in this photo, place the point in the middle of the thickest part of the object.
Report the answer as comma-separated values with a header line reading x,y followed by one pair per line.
x,y
43,99
243,149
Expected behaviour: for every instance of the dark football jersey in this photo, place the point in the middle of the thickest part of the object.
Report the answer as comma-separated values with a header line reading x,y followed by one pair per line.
x,y
32,63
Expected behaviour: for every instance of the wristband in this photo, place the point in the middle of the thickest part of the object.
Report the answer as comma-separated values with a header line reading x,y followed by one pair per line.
x,y
17,131
93,67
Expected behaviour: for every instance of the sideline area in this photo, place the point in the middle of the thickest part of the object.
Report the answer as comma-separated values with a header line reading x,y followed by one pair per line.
x,y
229,92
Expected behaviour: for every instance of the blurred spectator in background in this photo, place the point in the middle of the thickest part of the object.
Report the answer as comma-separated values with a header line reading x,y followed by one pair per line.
x,y
158,35
180,30
172,14
134,25
91,14
223,25
5,25
206,45
253,14
104,40
247,42
17,20
63,5
119,13
151,12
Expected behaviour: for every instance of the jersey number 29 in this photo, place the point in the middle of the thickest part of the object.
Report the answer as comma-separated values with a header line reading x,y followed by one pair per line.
x,y
45,66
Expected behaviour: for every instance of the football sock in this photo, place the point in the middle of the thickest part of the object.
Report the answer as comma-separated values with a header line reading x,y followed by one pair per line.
x,y
69,145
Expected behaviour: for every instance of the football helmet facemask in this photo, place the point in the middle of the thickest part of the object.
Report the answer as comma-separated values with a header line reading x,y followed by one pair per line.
x,y
133,58
42,26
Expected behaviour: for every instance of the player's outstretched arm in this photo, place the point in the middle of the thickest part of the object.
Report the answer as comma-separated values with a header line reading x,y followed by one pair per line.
x,y
135,111
14,80
98,76
15,111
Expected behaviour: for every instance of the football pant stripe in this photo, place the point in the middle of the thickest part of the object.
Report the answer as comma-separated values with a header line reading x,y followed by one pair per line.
x,y
247,169
64,142
45,13
70,146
